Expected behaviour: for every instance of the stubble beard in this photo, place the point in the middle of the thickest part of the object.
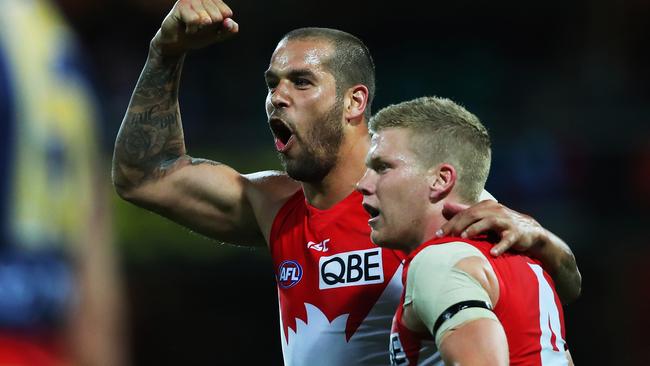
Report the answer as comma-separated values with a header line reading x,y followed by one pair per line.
x,y
320,148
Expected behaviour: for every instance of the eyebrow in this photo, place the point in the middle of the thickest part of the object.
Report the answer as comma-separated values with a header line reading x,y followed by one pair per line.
x,y
296,73
372,160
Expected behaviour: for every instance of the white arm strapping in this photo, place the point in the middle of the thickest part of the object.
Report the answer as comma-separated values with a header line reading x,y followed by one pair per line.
x,y
434,284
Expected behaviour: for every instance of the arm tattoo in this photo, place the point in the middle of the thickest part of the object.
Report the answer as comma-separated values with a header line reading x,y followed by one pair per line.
x,y
150,142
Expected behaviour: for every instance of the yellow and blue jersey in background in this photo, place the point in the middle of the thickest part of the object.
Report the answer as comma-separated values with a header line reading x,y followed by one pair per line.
x,y
47,150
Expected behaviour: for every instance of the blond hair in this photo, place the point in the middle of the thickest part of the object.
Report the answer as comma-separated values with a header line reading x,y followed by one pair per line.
x,y
443,132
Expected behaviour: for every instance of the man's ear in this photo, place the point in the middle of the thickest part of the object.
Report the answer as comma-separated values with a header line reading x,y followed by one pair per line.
x,y
442,181
355,103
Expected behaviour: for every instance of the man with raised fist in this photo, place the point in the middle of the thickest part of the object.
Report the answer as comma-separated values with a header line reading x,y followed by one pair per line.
x,y
337,290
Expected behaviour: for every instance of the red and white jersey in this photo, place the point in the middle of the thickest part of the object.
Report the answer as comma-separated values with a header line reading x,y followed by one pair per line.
x,y
337,290
528,308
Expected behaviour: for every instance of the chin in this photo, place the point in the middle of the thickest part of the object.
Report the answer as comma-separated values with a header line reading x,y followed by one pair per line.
x,y
305,170
383,242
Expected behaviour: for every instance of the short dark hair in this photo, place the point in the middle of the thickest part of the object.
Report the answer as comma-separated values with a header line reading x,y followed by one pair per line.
x,y
442,131
351,62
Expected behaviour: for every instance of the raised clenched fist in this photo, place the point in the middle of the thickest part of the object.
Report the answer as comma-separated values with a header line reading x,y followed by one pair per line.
x,y
193,24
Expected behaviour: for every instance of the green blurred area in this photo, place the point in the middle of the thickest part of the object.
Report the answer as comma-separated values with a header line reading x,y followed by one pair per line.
x,y
143,236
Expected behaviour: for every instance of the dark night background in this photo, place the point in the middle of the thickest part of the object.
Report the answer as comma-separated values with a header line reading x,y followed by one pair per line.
x,y
563,87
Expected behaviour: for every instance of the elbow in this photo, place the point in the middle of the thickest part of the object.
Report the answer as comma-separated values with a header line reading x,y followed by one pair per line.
x,y
126,179
578,286
122,186
572,290
576,289
124,191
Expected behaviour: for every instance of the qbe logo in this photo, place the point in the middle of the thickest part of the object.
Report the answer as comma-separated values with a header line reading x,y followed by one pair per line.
x,y
289,274
359,267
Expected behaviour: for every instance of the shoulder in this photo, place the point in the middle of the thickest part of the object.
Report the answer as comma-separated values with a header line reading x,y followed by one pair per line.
x,y
436,265
267,192
443,293
433,264
444,255
271,185
269,175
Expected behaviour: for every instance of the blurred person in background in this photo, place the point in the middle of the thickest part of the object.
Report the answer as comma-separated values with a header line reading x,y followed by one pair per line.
x,y
59,290
337,290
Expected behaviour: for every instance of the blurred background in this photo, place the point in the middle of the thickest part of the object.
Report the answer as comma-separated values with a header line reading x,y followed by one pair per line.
x,y
563,87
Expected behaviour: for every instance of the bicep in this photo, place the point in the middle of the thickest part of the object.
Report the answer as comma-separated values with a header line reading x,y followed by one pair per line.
x,y
478,342
445,296
205,196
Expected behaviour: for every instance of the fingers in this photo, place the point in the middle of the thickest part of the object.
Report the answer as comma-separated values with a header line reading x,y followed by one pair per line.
x,y
508,239
229,28
232,26
212,11
197,14
199,9
226,12
456,225
464,218
189,17
482,226
217,10
515,230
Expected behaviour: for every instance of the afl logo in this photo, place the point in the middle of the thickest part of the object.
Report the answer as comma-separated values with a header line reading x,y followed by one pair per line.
x,y
289,274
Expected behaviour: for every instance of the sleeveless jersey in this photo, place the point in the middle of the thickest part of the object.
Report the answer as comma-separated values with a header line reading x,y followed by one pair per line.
x,y
528,308
337,290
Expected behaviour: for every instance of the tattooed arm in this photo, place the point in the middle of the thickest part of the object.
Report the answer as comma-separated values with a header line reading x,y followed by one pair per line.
x,y
151,167
150,141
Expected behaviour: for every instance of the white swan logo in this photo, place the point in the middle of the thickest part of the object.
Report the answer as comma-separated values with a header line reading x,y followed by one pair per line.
x,y
319,247
316,341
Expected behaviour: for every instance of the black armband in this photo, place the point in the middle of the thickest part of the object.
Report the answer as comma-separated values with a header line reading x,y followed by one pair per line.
x,y
454,309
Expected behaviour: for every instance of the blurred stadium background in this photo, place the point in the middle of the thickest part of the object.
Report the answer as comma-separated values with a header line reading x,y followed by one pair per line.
x,y
562,86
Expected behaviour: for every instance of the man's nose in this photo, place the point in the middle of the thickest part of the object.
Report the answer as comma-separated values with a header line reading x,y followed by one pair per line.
x,y
366,186
280,96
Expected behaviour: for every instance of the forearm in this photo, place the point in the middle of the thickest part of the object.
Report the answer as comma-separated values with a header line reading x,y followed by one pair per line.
x,y
560,263
150,138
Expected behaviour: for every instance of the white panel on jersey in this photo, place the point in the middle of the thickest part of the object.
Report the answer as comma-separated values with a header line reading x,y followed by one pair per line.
x,y
318,342
549,322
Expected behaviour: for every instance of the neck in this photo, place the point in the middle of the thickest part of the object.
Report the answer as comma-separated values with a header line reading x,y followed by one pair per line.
x,y
343,178
433,220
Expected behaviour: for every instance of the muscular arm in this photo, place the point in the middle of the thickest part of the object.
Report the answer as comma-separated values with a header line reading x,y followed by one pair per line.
x,y
442,277
480,341
150,142
151,167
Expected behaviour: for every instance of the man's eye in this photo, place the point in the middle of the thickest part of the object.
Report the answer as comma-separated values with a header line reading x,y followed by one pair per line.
x,y
302,82
381,167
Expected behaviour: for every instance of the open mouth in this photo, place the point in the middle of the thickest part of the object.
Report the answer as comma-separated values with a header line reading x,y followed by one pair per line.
x,y
373,212
282,133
